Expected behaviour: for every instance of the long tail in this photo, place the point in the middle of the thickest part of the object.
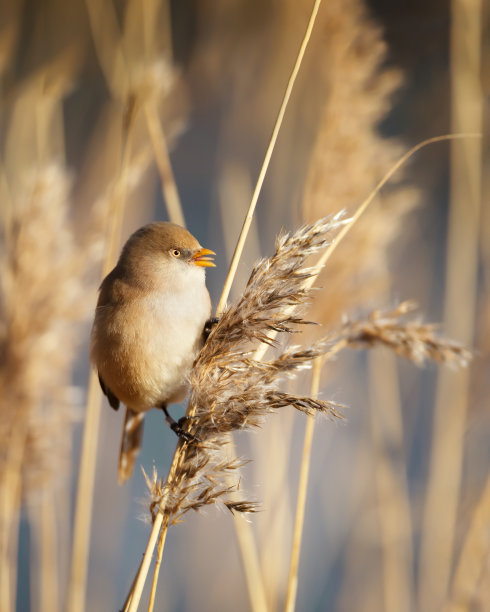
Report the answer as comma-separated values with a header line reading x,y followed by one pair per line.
x,y
130,443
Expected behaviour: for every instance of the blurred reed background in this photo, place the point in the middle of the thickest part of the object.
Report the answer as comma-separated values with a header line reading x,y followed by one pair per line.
x,y
97,98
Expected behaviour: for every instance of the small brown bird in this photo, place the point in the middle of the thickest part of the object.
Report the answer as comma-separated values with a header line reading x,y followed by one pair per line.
x,y
149,325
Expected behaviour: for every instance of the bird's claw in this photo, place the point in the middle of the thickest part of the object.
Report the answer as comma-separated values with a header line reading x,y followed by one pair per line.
x,y
178,428
208,327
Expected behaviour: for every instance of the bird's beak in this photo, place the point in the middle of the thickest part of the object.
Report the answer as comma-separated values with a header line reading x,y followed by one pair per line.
x,y
203,258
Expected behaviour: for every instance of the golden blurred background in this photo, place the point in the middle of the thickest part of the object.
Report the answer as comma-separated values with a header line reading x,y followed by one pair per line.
x,y
109,108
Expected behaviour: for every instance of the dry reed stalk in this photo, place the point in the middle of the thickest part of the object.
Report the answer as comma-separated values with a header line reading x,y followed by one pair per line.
x,y
231,390
348,144
273,527
302,488
412,340
336,14
292,588
249,555
156,573
471,567
442,498
419,345
419,350
158,517
11,500
50,587
265,165
357,91
365,204
403,159
175,215
235,194
42,300
167,180
470,580
395,522
233,266
44,560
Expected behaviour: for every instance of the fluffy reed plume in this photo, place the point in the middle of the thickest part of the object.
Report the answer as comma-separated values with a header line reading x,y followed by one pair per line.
x,y
350,156
413,340
42,300
230,390
359,90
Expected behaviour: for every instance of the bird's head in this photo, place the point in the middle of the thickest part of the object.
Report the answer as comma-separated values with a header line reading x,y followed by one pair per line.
x,y
164,249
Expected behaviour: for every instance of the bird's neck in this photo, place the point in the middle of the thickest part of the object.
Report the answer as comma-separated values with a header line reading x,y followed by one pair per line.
x,y
151,275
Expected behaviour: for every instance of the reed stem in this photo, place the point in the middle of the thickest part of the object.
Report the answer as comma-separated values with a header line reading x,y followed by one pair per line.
x,y
265,165
299,519
138,588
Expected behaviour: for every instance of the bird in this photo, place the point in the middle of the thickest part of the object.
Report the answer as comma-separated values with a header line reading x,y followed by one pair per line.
x,y
152,317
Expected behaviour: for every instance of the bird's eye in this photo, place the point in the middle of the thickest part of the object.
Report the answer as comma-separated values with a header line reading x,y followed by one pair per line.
x,y
175,252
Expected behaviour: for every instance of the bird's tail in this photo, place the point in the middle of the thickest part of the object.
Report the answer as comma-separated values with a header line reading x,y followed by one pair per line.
x,y
130,443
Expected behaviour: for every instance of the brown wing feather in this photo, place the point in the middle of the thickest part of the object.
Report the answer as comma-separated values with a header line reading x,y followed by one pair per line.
x,y
113,401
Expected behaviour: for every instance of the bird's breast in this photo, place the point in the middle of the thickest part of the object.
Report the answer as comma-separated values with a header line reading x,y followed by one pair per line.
x,y
144,349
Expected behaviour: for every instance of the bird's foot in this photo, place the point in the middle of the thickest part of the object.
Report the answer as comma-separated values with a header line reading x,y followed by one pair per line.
x,y
178,426
208,327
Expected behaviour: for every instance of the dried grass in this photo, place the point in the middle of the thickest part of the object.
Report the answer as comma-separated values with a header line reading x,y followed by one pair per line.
x,y
45,253
413,340
44,300
230,390
42,296
441,512
350,156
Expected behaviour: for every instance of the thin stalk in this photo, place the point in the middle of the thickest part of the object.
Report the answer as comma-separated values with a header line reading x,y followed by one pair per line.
x,y
160,522
322,260
302,491
265,165
176,215
251,564
250,561
395,524
135,595
130,594
462,269
158,563
403,159
390,481
10,499
162,158
138,588
48,544
84,500
242,526
473,558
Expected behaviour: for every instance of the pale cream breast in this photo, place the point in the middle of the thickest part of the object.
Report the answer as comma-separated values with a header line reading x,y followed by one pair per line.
x,y
144,348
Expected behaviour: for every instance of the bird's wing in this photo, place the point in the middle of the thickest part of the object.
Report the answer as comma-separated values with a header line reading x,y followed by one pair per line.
x,y
113,401
130,443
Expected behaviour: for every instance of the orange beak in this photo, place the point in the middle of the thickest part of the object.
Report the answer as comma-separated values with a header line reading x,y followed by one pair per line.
x,y
202,258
